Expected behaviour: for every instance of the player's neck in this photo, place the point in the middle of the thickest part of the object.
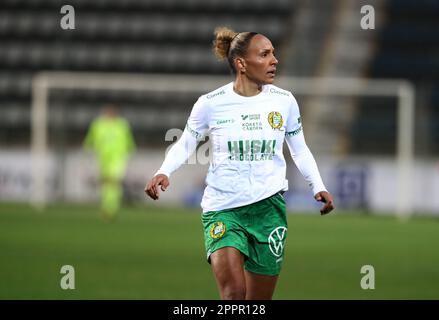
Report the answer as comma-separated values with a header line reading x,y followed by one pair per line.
x,y
245,87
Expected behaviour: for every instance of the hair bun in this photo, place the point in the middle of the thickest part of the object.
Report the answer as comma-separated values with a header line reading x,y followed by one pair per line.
x,y
223,39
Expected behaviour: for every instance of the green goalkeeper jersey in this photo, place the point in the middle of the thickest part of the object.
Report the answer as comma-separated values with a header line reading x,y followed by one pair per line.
x,y
112,141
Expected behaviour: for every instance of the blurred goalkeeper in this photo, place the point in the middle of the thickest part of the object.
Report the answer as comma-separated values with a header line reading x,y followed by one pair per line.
x,y
110,137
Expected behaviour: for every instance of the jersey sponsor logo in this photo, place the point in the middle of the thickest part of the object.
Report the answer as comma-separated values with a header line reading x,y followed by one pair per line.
x,y
284,93
276,241
225,121
275,120
196,134
251,150
250,117
215,94
251,124
217,230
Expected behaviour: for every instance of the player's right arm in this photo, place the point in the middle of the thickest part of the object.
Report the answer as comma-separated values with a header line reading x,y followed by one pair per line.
x,y
176,156
196,128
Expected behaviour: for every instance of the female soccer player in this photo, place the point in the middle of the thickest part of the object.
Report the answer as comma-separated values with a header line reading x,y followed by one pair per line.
x,y
244,215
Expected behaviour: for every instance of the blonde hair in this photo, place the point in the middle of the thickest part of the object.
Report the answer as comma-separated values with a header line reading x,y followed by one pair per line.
x,y
229,44
222,42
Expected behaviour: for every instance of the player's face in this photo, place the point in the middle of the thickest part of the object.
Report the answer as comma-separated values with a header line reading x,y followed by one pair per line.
x,y
260,62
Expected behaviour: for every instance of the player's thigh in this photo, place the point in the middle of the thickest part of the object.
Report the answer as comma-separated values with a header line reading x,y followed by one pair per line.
x,y
258,286
226,248
228,268
228,264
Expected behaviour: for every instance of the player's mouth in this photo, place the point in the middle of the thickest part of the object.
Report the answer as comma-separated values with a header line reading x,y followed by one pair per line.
x,y
271,73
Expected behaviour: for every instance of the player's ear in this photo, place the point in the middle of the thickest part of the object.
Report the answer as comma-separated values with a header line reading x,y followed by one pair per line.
x,y
240,64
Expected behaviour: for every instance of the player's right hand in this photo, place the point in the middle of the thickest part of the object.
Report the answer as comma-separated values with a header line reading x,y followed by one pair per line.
x,y
327,199
152,190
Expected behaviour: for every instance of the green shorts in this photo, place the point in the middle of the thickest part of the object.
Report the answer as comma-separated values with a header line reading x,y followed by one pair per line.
x,y
258,230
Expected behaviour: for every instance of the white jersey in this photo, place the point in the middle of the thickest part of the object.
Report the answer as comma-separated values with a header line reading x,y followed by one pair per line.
x,y
247,135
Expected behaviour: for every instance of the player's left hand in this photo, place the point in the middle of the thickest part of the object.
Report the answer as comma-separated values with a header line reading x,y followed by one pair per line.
x,y
326,198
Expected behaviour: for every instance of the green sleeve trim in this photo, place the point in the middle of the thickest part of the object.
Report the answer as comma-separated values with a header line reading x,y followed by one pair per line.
x,y
294,132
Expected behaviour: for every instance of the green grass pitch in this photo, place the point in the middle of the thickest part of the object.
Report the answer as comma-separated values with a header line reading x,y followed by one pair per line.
x,y
155,253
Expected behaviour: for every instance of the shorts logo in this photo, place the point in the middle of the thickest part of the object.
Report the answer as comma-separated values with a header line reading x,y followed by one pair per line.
x,y
217,230
276,240
275,120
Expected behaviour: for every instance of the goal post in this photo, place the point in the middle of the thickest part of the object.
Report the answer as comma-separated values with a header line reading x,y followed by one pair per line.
x,y
43,82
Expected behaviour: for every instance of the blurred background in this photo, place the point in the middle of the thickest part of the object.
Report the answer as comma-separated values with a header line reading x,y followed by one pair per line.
x,y
372,125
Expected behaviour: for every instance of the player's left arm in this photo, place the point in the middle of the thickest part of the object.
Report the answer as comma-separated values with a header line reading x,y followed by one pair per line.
x,y
304,159
307,166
